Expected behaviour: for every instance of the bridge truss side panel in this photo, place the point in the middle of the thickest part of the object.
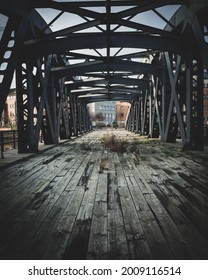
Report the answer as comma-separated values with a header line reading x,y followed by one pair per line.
x,y
10,46
173,106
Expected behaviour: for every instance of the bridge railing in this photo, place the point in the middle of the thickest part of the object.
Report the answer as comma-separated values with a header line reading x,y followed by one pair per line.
x,y
8,140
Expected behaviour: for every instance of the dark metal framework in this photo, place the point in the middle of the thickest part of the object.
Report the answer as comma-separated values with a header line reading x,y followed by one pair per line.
x,y
158,70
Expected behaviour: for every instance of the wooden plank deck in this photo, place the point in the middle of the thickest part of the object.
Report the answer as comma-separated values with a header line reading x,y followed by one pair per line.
x,y
81,200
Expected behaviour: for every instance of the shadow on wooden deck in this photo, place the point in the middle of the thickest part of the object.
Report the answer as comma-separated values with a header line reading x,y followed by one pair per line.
x,y
81,200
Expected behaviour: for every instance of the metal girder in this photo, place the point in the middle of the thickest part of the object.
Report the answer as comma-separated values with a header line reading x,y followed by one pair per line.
x,y
25,107
41,105
11,43
138,118
155,120
72,9
63,119
141,54
143,117
104,93
97,66
173,77
146,28
13,8
144,6
115,3
188,18
75,7
199,39
139,83
48,101
73,55
108,20
67,31
107,98
110,90
99,41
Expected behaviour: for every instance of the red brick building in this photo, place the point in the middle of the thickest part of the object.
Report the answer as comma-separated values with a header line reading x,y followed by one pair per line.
x,y
122,110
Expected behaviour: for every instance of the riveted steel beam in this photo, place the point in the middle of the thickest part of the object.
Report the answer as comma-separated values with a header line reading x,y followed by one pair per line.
x,y
156,119
67,31
146,28
97,66
75,7
115,3
111,90
173,77
143,6
139,83
99,41
108,20
11,42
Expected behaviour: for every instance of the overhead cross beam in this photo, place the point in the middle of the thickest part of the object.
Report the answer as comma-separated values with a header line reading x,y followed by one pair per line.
x,y
99,66
99,41
140,83
141,6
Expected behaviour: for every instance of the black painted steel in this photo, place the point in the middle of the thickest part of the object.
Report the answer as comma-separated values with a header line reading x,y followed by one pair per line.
x,y
109,52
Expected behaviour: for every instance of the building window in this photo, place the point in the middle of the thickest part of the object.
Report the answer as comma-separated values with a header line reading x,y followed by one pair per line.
x,y
121,107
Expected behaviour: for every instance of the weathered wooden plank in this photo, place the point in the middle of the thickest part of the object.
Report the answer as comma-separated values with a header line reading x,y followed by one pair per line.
x,y
158,245
18,241
197,242
28,189
81,229
78,173
136,238
117,242
120,175
57,247
183,208
37,246
98,245
175,240
137,243
141,175
68,237
155,238
25,173
28,165
46,203
187,178
190,167
86,208
143,207
163,191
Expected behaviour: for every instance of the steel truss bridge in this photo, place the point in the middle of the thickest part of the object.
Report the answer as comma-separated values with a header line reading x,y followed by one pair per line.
x,y
108,54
